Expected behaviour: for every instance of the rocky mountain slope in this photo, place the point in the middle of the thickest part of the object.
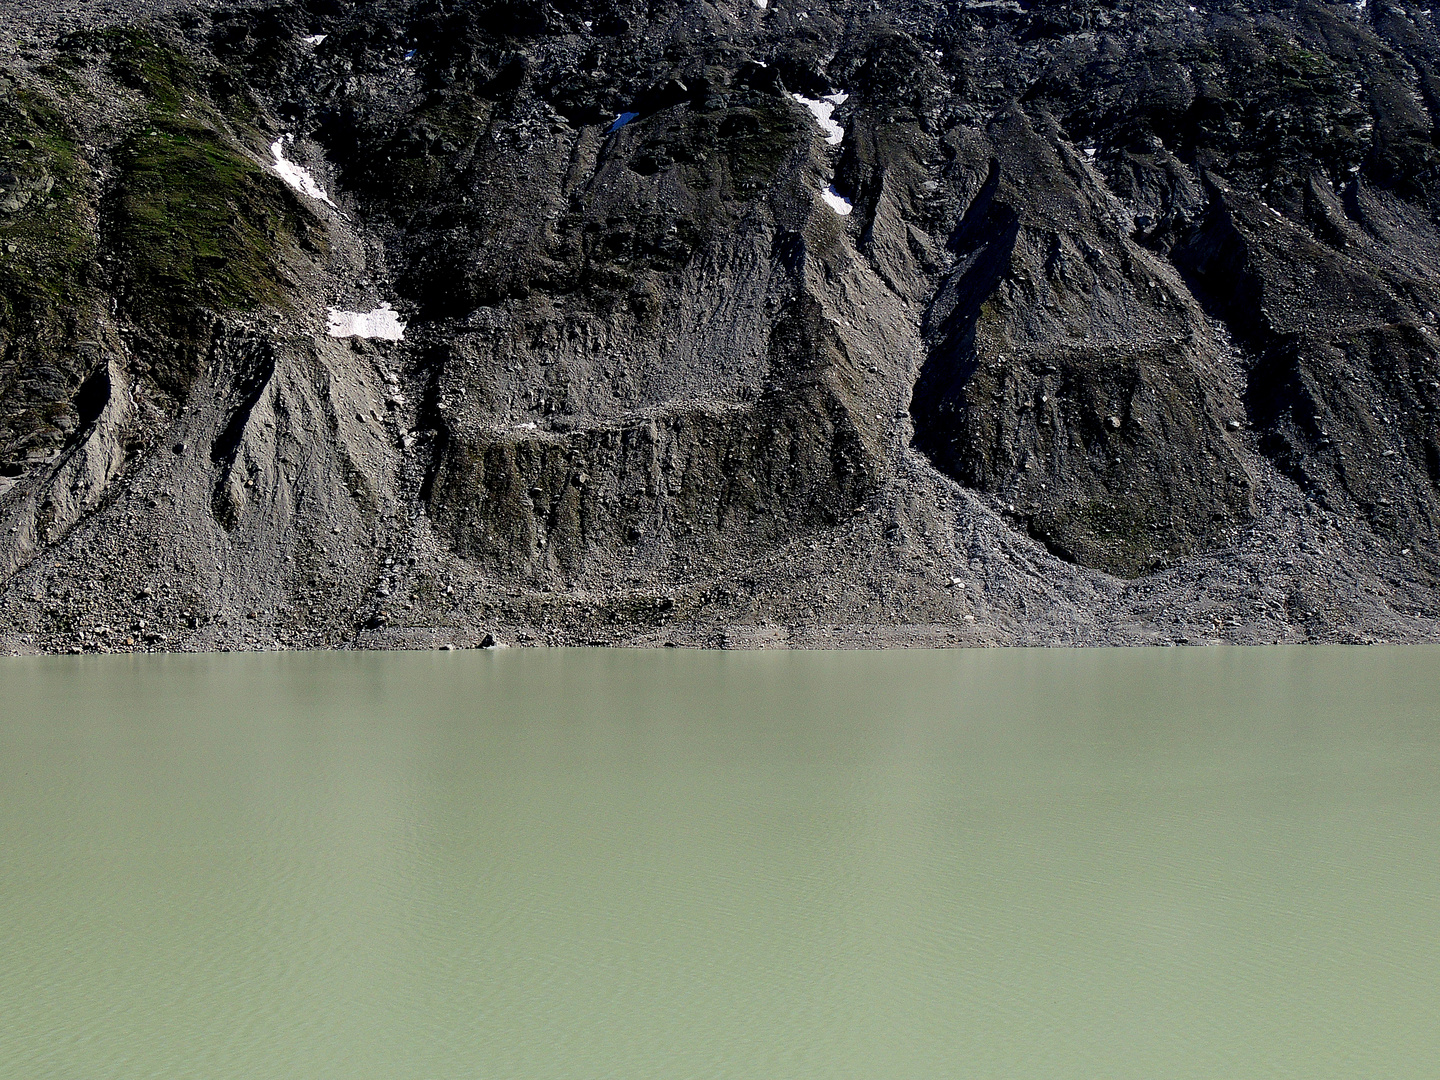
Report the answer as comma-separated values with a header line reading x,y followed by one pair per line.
x,y
822,323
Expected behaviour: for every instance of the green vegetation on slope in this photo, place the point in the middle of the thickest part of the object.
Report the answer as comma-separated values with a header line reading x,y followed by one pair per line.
x,y
46,249
198,223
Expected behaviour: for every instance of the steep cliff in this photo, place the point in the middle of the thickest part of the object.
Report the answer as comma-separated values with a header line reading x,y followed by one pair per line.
x,y
723,323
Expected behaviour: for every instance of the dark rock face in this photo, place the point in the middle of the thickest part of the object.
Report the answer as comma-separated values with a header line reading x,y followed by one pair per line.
x,y
955,315
1067,370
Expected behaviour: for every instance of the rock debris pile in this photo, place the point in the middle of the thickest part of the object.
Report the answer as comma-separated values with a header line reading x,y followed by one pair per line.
x,y
423,323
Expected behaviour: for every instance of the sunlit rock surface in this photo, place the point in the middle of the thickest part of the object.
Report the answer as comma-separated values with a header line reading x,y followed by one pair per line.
x,y
720,323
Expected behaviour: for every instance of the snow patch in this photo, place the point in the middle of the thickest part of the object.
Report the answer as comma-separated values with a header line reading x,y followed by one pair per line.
x,y
383,323
298,178
822,110
836,201
623,119
315,39
762,4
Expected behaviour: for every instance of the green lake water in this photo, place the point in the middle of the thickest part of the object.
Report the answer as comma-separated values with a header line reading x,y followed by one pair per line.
x,y
592,863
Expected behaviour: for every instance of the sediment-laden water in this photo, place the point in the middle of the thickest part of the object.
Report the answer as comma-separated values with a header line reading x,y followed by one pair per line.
x,y
580,864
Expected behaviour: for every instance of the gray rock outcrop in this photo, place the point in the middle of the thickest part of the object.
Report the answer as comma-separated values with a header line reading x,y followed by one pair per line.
x,y
833,323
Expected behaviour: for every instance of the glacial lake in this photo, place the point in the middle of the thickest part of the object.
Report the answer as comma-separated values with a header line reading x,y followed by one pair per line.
x,y
592,863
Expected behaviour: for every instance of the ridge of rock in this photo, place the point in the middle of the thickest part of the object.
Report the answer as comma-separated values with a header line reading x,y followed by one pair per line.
x,y
718,323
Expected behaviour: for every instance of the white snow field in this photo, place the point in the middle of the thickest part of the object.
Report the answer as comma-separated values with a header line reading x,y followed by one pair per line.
x,y
822,109
382,323
297,177
836,201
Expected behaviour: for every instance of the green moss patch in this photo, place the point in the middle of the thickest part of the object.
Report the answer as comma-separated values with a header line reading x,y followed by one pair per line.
x,y
139,60
195,222
45,240
46,251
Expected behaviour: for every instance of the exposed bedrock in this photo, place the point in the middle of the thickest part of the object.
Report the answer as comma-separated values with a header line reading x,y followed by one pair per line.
x,y
1342,387
387,323
701,484
1071,372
